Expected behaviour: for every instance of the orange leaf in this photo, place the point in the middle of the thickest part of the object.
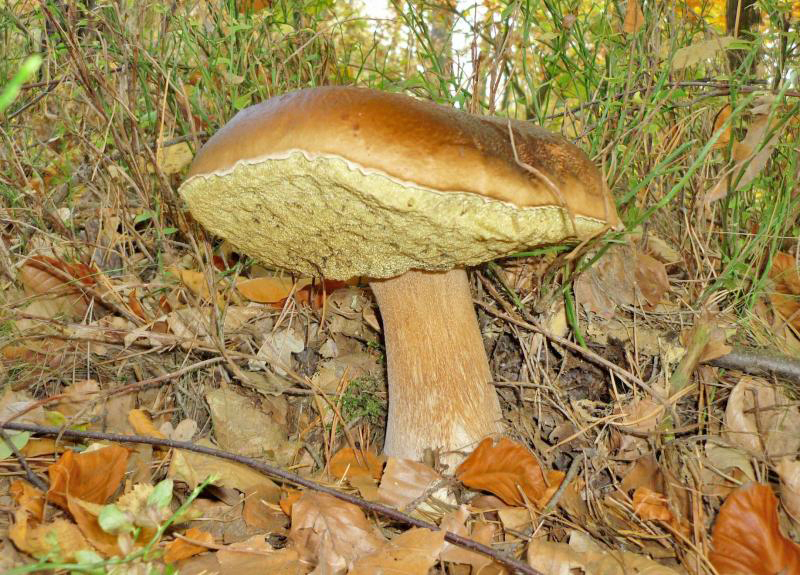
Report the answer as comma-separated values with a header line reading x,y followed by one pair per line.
x,y
786,297
505,469
38,278
92,476
650,505
182,549
143,425
747,539
287,502
364,463
28,498
268,289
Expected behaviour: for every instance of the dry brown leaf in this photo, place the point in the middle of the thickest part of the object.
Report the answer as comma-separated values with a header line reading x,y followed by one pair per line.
x,y
256,556
243,428
404,481
699,51
613,281
59,539
92,476
193,468
760,418
413,552
730,464
747,539
143,425
58,296
182,549
562,559
651,279
269,289
789,471
261,509
786,296
482,532
75,397
651,505
505,469
331,533
350,464
719,120
634,19
747,157
28,498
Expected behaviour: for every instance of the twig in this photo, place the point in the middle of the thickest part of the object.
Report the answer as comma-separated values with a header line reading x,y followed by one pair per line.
x,y
515,565
758,362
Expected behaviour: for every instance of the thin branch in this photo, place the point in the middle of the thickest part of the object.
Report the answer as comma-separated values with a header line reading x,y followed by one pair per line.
x,y
515,565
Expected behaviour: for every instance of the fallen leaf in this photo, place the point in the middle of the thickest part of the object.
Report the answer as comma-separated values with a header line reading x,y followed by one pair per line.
x,y
760,418
193,468
143,425
182,549
57,296
331,533
699,51
786,295
28,498
563,559
59,539
749,160
269,289
506,470
482,532
789,471
243,428
348,464
747,539
405,481
256,556
413,552
92,476
277,351
261,509
650,505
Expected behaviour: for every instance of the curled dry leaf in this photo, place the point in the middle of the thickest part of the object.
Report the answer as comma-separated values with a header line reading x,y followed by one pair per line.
x,y
350,464
507,470
183,549
456,522
91,476
59,296
413,552
760,418
563,559
331,533
59,539
651,505
746,538
699,51
404,481
789,471
785,297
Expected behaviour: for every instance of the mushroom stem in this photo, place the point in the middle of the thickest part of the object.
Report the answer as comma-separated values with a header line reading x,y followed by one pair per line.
x,y
438,372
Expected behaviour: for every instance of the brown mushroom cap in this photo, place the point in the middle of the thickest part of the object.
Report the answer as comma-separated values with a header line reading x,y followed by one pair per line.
x,y
342,182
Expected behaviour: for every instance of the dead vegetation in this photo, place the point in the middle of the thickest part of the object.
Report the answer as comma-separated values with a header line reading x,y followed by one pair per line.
x,y
121,316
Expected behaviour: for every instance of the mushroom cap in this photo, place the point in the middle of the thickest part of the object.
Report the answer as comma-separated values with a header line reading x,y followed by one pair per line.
x,y
343,181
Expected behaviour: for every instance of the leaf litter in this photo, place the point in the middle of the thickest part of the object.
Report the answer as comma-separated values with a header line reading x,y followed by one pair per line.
x,y
114,325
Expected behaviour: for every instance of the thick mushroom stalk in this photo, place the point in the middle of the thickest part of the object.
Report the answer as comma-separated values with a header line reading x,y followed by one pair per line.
x,y
440,395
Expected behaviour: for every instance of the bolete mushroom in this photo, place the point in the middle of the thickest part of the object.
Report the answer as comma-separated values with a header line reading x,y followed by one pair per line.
x,y
341,182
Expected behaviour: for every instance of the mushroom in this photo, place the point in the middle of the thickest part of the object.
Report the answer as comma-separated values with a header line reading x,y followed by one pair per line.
x,y
341,182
